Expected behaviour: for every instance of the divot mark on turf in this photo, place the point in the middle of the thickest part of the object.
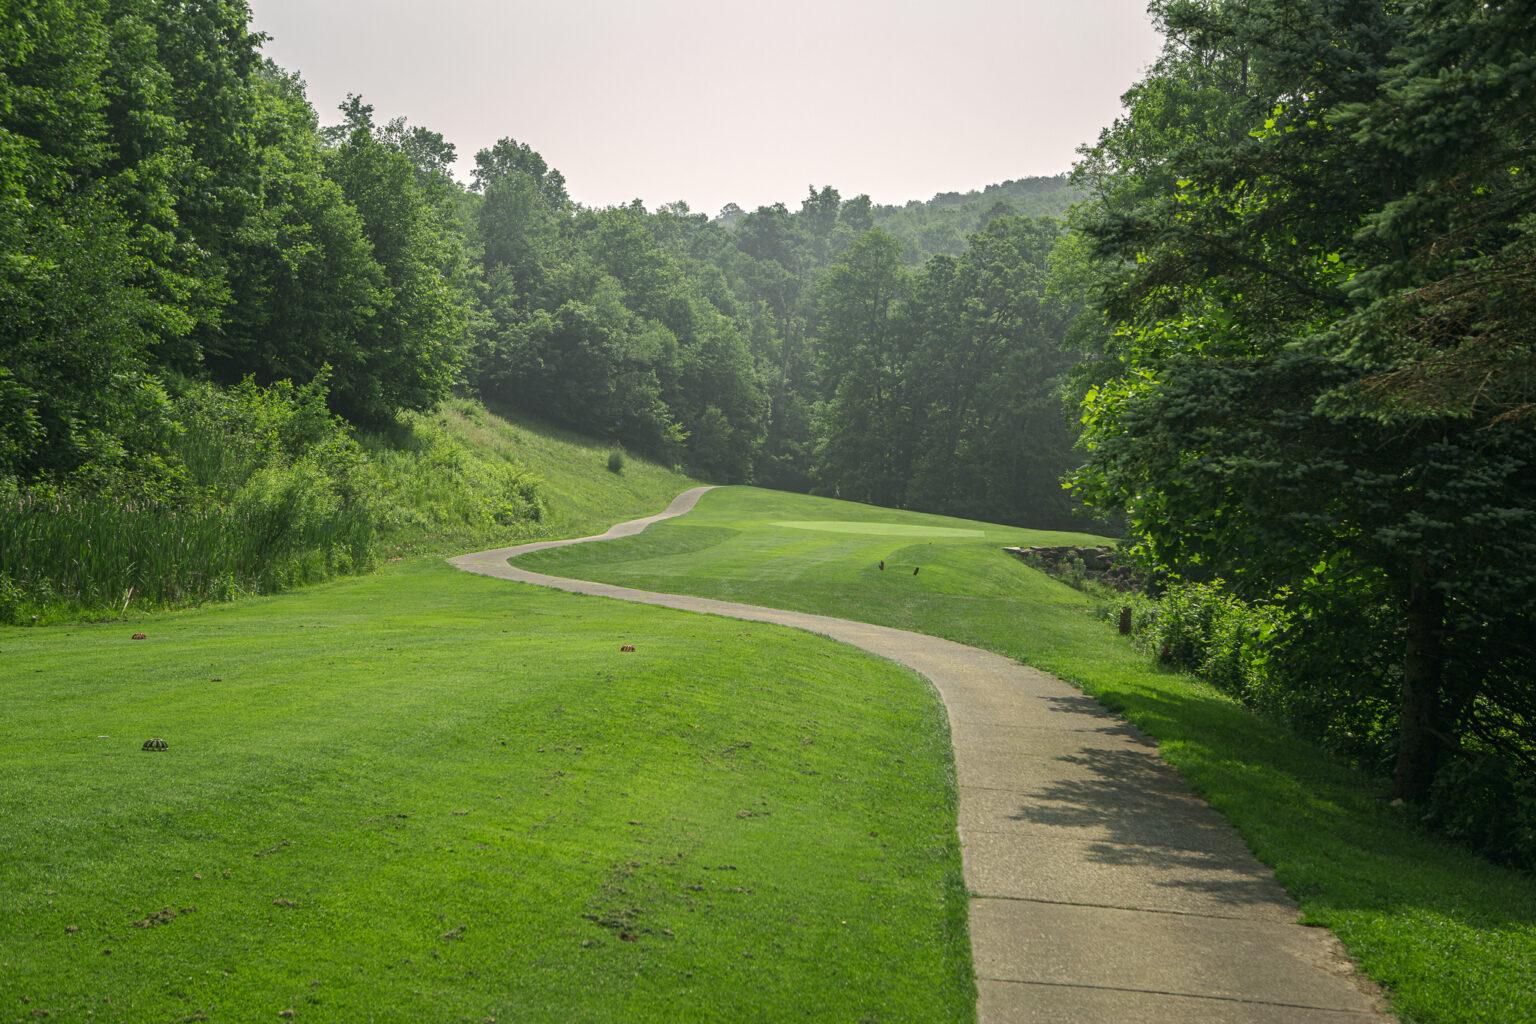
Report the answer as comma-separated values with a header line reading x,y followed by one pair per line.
x,y
164,916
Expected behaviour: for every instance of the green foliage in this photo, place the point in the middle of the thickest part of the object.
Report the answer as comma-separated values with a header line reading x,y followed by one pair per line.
x,y
435,492
256,490
1285,299
862,352
260,490
745,348
944,224
1447,308
1204,629
1488,804
616,461
306,286
941,385
408,356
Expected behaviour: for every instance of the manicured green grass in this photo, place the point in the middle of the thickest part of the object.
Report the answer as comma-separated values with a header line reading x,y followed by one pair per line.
x,y
427,796
1453,937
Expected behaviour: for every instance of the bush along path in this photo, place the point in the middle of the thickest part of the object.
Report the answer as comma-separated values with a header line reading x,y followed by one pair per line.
x,y
1101,887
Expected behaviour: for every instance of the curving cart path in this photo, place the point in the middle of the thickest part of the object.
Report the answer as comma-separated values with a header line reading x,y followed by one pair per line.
x,y
1102,889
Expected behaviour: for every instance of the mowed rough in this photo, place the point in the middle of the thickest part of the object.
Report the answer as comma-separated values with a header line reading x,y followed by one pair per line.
x,y
426,796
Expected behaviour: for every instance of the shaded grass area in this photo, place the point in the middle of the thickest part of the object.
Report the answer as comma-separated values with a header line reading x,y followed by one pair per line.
x,y
1452,936
422,795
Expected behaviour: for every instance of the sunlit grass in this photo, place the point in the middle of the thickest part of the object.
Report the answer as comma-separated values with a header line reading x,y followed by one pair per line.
x,y
427,796
1453,936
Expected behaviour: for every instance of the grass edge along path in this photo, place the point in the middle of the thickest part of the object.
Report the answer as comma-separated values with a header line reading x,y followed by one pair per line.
x,y
1099,888
1452,937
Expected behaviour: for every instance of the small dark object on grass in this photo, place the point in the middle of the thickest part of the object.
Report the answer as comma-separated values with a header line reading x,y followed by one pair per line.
x,y
914,570
627,649
616,461
1125,621
156,743
139,636
882,565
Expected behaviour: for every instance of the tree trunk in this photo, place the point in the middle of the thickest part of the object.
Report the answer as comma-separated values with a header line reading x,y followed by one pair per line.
x,y
1420,745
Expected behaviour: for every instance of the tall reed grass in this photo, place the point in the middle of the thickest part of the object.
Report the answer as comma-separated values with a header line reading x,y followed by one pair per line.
x,y
87,553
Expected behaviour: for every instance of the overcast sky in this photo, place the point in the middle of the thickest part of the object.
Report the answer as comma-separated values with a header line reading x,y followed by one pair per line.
x,y
716,101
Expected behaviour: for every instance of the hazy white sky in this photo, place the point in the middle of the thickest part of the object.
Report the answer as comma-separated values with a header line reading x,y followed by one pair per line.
x,y
716,101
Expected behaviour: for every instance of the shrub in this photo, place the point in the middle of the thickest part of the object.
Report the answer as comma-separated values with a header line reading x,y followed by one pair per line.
x,y
11,601
1486,802
1202,628
616,461
1307,667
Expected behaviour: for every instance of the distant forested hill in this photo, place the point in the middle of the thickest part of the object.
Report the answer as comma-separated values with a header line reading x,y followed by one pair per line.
x,y
944,223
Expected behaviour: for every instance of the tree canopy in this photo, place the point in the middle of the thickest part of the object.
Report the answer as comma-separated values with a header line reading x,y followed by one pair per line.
x,y
1309,359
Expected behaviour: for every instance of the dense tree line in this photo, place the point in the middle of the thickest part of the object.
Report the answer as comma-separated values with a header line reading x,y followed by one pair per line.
x,y
176,211
1309,365
173,210
725,343
945,223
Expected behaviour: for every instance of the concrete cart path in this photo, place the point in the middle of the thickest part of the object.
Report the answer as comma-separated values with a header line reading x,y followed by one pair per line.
x,y
1102,889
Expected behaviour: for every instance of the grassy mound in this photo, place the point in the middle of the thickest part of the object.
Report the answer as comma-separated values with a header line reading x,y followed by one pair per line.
x,y
1452,936
582,493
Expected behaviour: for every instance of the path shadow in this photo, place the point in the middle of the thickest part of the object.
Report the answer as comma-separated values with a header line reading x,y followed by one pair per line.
x,y
1135,811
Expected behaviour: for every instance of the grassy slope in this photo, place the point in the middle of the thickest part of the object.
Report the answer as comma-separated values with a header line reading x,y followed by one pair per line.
x,y
584,497
476,806
435,490
1454,937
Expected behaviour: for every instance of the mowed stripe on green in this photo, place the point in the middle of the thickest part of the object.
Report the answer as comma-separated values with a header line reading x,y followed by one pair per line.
x,y
1453,936
423,795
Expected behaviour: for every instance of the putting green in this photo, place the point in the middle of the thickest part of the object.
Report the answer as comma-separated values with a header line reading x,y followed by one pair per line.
x,y
877,529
